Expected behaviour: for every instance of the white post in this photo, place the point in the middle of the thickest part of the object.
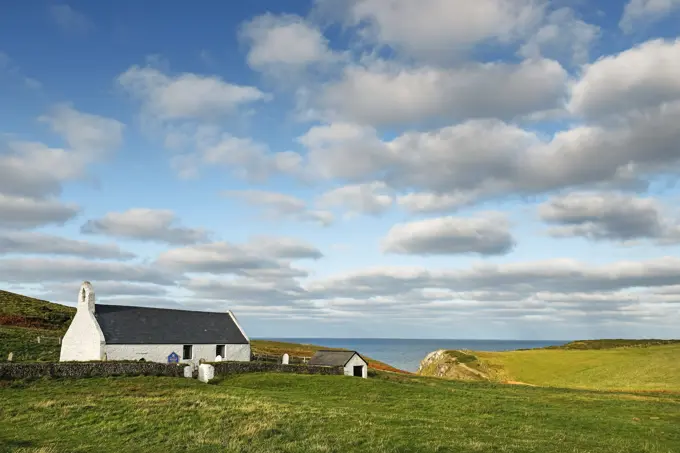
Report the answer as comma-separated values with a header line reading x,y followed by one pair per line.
x,y
38,339
10,356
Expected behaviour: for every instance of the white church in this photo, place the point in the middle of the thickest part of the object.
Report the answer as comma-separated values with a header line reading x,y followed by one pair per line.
x,y
116,332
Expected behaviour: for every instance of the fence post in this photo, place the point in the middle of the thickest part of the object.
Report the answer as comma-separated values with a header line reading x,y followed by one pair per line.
x,y
38,339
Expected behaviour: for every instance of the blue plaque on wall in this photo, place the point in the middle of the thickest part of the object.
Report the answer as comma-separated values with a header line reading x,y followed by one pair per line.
x,y
173,358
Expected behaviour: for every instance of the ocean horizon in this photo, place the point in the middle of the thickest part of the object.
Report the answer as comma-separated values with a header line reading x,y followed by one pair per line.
x,y
406,354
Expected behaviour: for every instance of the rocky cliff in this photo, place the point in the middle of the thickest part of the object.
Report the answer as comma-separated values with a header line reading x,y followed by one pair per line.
x,y
452,364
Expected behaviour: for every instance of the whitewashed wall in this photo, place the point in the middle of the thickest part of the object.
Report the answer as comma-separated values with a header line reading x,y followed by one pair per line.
x,y
160,352
84,339
356,361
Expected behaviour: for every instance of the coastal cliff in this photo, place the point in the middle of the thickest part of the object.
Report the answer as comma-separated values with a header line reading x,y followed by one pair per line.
x,y
452,364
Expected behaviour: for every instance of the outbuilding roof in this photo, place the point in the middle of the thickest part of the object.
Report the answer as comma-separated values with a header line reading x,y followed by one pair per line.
x,y
333,358
142,325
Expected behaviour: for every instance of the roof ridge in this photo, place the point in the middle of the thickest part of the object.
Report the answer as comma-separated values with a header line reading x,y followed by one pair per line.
x,y
162,308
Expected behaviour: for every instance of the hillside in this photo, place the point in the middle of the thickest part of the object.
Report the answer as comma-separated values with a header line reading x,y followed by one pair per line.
x,y
23,319
639,366
22,311
256,413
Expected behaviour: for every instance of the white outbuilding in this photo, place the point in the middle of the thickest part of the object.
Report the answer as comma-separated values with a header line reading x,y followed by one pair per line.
x,y
351,361
117,332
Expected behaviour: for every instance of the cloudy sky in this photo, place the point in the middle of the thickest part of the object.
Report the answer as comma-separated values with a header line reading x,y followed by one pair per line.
x,y
349,168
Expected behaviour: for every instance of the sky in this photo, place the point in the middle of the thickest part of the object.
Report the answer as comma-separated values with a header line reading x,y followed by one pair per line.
x,y
497,169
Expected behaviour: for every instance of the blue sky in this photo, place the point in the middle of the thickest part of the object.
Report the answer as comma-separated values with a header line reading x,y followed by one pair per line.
x,y
364,168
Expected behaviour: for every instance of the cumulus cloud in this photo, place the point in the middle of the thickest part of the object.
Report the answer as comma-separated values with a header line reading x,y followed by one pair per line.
x,y
71,21
20,212
14,242
435,29
483,159
286,40
427,202
643,76
609,216
563,37
158,225
372,198
281,206
487,234
37,170
84,132
186,95
388,93
643,12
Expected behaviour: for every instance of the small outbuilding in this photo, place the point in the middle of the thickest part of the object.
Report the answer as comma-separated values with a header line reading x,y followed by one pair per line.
x,y
351,361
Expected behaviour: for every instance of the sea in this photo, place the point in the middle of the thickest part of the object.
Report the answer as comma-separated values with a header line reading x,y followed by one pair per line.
x,y
406,354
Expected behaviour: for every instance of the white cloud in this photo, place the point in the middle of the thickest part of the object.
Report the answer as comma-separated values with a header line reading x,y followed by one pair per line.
x,y
158,225
388,93
283,247
426,202
372,198
36,170
229,259
640,77
610,216
186,95
562,37
83,131
285,40
70,20
483,159
643,12
12,242
39,270
437,28
486,234
281,206
21,212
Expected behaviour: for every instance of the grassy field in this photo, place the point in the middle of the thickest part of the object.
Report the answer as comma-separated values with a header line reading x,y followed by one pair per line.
x,y
296,413
623,368
23,311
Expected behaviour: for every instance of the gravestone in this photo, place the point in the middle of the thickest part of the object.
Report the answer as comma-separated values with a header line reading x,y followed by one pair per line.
x,y
188,372
218,358
284,359
206,372
10,356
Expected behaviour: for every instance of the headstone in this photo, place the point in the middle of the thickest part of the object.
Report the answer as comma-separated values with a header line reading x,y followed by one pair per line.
x,y
284,360
38,339
173,358
218,358
10,356
188,372
206,372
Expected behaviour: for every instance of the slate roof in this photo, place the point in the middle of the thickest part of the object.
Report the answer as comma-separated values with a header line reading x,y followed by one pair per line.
x,y
333,358
141,325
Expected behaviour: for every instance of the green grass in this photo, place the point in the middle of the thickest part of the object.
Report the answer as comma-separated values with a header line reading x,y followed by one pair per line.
x,y
24,311
22,342
623,368
295,413
611,344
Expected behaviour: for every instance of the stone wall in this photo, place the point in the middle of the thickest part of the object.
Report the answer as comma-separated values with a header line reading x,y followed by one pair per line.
x,y
88,369
222,368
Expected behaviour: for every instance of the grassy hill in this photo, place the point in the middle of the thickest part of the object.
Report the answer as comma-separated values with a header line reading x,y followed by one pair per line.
x,y
255,413
22,311
23,319
639,365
